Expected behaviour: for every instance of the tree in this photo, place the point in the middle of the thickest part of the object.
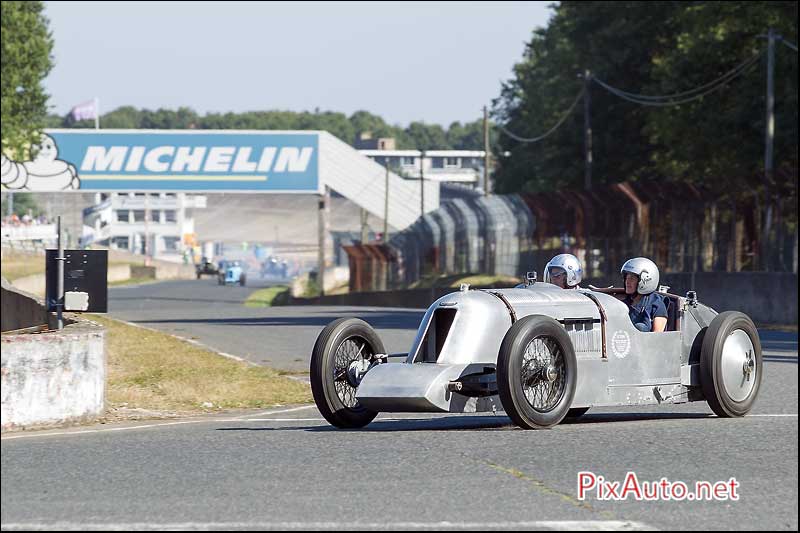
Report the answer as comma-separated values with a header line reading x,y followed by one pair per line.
x,y
26,60
581,35
24,203
427,136
719,140
417,135
650,48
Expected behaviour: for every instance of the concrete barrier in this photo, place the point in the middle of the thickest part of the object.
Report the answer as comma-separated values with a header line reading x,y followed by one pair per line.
x,y
767,297
116,273
53,378
20,309
167,270
35,284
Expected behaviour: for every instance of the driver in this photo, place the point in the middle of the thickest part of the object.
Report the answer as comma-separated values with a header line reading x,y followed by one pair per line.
x,y
564,270
646,307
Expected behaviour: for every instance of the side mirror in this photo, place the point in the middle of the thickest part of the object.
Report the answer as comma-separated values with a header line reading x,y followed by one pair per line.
x,y
530,278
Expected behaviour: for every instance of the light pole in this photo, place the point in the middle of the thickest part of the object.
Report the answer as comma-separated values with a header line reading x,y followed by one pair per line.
x,y
422,183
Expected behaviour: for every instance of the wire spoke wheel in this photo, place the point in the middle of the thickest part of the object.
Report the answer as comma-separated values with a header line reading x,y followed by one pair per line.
x,y
342,356
537,372
352,350
543,374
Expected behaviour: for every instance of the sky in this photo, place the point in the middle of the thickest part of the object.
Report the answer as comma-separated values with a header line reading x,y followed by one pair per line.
x,y
436,62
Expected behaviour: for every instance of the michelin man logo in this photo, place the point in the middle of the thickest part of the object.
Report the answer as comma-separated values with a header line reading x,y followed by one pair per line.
x,y
621,343
45,173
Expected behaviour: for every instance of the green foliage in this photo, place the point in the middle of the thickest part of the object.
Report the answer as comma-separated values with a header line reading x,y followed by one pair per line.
x,y
26,59
24,203
417,135
651,48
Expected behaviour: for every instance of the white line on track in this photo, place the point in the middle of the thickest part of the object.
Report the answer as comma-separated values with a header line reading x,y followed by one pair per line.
x,y
193,342
273,412
565,525
158,424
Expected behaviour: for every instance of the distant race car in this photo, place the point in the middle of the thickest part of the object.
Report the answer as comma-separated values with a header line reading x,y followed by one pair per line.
x,y
232,273
541,353
205,267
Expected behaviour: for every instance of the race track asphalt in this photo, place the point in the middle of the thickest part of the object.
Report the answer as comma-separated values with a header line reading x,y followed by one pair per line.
x,y
286,468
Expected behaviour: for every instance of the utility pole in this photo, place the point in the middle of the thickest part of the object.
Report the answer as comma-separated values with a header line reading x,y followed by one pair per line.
x,y
769,135
146,229
322,230
587,129
60,273
364,226
486,154
386,206
422,182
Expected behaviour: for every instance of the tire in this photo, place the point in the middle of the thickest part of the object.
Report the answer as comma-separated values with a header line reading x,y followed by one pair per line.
x,y
731,378
545,335
576,412
339,406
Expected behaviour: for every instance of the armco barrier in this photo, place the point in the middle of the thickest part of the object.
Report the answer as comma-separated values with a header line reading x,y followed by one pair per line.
x,y
767,297
53,378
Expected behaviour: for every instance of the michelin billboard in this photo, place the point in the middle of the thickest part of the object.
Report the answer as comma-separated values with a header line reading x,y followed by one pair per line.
x,y
168,160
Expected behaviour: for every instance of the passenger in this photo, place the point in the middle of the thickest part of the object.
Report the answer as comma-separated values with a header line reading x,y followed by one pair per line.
x,y
646,307
564,270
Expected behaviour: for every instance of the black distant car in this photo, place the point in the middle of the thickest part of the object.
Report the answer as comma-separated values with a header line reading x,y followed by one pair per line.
x,y
205,267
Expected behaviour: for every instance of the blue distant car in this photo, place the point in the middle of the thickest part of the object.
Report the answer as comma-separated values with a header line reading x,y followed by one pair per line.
x,y
232,273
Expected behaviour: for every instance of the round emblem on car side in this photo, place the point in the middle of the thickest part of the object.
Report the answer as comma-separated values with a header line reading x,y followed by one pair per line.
x,y
621,343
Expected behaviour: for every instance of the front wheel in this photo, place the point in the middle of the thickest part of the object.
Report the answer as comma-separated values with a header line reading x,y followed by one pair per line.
x,y
536,372
730,364
342,355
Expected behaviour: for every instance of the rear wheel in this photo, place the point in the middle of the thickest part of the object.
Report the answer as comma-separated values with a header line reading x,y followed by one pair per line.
x,y
730,364
536,372
341,356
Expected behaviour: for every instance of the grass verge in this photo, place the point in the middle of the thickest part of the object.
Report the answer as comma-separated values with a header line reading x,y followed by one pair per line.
x,y
17,265
131,281
153,371
268,297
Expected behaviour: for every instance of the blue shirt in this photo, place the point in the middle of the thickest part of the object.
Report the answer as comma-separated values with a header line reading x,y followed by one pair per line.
x,y
645,310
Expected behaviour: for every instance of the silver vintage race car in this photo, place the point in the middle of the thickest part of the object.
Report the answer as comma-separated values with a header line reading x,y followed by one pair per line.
x,y
540,353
